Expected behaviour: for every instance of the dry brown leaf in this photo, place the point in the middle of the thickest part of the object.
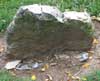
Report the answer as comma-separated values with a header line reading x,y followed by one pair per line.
x,y
46,79
95,41
1,49
45,67
69,74
73,77
84,79
49,77
86,65
90,57
69,80
53,64
34,77
90,53
78,78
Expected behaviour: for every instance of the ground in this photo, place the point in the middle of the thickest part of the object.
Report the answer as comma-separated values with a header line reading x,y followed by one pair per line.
x,y
60,64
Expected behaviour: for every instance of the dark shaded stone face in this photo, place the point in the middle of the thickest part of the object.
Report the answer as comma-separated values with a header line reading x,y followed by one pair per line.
x,y
32,34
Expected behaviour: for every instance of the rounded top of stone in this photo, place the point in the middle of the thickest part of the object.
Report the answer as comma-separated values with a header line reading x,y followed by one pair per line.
x,y
44,9
81,16
46,12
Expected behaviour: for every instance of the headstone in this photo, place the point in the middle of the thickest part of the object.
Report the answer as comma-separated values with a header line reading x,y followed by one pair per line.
x,y
42,29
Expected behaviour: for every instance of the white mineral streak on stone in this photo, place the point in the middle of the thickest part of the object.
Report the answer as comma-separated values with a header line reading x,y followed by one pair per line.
x,y
81,16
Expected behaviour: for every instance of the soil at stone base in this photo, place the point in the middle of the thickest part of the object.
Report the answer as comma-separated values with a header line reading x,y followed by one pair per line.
x,y
60,64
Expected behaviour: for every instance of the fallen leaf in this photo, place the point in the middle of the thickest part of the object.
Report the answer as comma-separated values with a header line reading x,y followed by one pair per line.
x,y
73,77
90,57
53,64
45,67
78,78
69,80
49,77
95,41
84,79
46,79
90,53
86,65
33,77
69,74
1,49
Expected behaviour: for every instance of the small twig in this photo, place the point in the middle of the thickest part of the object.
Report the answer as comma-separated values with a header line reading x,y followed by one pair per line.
x,y
78,72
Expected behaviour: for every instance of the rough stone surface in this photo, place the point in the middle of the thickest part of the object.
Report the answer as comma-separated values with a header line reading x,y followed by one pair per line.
x,y
12,64
41,29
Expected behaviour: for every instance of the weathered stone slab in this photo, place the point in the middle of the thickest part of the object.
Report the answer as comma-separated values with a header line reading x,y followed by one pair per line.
x,y
41,29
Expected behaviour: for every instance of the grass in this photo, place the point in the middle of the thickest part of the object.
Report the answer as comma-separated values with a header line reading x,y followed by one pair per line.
x,y
6,76
8,8
95,76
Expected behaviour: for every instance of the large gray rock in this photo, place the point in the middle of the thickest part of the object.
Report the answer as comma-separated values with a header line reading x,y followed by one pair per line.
x,y
41,29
